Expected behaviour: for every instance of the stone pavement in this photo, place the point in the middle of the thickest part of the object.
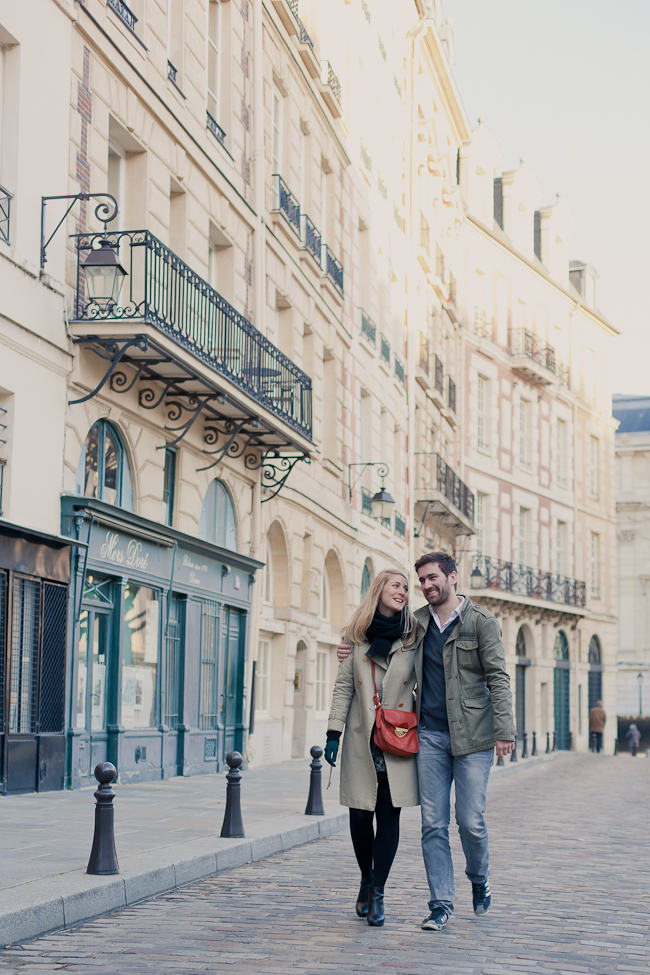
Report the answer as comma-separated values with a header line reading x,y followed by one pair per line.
x,y
569,874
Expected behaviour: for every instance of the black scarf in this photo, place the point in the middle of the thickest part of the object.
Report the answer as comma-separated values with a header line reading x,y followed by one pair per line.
x,y
383,631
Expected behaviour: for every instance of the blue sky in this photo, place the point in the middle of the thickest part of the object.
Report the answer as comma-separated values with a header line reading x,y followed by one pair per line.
x,y
566,84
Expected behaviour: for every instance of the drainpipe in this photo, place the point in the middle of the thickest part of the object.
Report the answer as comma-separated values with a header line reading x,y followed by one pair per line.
x,y
259,305
413,36
575,529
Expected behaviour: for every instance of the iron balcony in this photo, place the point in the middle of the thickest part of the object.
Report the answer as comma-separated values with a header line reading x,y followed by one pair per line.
x,y
444,498
523,580
531,358
163,292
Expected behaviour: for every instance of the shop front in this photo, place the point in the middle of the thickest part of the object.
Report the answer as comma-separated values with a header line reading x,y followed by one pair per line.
x,y
34,584
159,647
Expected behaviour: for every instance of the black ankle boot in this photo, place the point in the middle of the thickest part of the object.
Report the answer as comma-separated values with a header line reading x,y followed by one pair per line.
x,y
362,899
376,914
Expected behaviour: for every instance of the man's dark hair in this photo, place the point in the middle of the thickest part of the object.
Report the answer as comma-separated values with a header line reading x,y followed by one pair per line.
x,y
445,562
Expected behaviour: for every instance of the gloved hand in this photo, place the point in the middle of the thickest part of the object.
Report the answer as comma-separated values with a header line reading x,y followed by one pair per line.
x,y
331,751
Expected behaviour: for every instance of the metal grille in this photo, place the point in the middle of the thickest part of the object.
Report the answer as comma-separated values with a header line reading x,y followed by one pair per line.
x,y
561,679
173,669
3,637
53,658
24,655
209,712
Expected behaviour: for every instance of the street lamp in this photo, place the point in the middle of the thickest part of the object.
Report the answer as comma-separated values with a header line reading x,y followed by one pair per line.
x,y
639,678
382,504
477,579
104,275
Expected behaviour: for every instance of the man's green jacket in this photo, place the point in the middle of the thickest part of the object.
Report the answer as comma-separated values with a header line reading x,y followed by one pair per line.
x,y
479,702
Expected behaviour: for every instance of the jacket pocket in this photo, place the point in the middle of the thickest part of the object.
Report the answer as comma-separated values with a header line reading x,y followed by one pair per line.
x,y
467,644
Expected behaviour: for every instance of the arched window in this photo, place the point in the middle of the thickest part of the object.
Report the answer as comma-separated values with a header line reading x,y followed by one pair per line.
x,y
217,523
366,579
594,650
521,643
561,648
103,470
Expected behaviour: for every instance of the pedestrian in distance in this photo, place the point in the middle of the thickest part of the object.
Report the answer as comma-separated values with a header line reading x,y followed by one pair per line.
x,y
464,706
633,735
597,719
378,674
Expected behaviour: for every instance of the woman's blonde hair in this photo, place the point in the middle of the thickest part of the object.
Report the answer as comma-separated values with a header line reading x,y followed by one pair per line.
x,y
355,631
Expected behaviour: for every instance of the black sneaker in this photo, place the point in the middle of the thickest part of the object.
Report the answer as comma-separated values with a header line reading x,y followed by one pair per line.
x,y
436,920
481,898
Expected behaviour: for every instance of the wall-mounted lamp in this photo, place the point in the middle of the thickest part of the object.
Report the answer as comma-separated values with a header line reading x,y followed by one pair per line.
x,y
381,503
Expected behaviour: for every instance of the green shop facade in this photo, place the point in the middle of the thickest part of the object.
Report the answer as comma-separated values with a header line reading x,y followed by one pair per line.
x,y
158,646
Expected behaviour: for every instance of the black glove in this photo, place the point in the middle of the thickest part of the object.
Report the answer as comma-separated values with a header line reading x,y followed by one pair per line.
x,y
331,751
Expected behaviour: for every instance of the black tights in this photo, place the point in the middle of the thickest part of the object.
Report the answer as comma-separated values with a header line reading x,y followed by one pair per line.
x,y
375,853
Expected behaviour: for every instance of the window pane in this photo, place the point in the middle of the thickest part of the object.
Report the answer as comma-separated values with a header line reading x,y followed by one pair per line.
x,y
140,656
92,463
98,690
209,714
111,468
83,671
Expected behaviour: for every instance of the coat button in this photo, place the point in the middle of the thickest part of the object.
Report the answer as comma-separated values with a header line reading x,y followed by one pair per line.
x,y
361,682
406,682
400,705
365,658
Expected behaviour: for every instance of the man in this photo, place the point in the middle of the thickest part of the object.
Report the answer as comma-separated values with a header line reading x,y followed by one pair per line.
x,y
465,710
597,719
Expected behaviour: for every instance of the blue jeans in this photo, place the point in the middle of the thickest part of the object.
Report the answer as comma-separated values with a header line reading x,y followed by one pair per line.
x,y
437,769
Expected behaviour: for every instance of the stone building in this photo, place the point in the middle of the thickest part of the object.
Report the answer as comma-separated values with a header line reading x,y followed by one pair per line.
x,y
296,303
633,526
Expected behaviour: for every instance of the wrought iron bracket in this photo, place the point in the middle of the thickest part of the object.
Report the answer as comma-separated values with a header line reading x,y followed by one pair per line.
x,y
104,212
114,353
276,468
382,469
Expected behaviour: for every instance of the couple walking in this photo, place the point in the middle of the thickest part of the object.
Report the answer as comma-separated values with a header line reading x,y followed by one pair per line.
x,y
446,662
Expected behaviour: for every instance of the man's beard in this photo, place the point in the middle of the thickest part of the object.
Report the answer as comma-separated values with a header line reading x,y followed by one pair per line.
x,y
444,592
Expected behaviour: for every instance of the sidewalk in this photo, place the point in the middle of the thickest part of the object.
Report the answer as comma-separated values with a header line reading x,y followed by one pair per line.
x,y
166,833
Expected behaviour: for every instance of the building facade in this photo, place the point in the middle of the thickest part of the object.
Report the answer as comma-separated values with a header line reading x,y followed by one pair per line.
x,y
296,302
633,527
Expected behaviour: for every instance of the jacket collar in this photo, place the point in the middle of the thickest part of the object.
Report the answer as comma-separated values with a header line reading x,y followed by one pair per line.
x,y
396,645
423,614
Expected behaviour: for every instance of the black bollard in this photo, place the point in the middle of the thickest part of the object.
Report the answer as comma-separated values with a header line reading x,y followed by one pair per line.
x,y
232,822
315,800
103,857
616,746
524,750
554,741
548,742
513,753
533,754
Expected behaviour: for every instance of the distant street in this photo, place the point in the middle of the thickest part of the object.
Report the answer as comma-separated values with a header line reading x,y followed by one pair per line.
x,y
570,864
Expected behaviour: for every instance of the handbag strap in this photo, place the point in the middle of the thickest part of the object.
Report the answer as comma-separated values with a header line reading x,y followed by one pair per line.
x,y
374,680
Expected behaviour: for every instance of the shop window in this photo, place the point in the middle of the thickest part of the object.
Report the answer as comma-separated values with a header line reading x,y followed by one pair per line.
x,y
217,523
103,470
140,656
209,693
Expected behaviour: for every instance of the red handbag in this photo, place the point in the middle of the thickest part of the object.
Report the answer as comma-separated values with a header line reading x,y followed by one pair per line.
x,y
396,732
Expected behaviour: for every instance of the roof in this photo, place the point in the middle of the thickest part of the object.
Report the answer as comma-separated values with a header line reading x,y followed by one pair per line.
x,y
632,412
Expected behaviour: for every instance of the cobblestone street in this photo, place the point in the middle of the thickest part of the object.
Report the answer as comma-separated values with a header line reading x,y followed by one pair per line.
x,y
569,875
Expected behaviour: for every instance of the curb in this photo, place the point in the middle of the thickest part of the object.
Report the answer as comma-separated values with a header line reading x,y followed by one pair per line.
x,y
31,910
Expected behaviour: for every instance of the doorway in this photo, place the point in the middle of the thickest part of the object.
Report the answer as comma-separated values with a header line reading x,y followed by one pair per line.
x,y
92,683
561,688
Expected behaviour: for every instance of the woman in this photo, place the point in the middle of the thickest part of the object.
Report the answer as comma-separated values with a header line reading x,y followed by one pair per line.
x,y
375,783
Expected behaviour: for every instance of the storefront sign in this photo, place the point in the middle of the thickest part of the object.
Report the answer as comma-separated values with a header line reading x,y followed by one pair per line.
x,y
198,572
126,554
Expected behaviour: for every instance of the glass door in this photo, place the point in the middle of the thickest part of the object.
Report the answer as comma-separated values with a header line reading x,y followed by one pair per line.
x,y
233,679
92,680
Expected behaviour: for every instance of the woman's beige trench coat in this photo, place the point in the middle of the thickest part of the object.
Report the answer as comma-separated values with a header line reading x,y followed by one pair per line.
x,y
353,711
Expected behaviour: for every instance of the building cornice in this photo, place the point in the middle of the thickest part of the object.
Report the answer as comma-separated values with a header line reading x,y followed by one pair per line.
x,y
453,103
505,245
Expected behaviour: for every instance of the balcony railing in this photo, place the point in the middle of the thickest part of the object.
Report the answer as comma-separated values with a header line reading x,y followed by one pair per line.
x,y
451,397
449,484
124,13
366,498
482,324
164,292
368,327
216,129
287,204
385,349
332,82
312,239
399,369
5,215
400,526
439,375
171,72
334,270
523,342
522,580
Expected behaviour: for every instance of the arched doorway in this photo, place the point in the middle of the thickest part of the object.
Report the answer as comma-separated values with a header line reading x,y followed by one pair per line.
x,y
561,686
520,682
595,672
